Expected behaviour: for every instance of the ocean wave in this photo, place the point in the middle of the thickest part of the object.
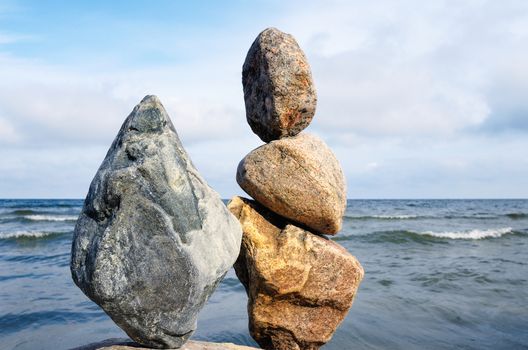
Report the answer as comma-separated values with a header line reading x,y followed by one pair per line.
x,y
472,217
470,234
24,212
28,234
517,215
384,217
439,217
51,217
429,237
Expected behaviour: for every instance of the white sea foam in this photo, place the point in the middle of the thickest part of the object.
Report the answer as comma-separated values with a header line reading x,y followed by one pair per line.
x,y
26,234
51,217
471,234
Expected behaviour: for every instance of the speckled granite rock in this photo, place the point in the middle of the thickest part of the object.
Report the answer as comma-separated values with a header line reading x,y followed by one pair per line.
x,y
153,239
123,344
279,92
299,178
300,285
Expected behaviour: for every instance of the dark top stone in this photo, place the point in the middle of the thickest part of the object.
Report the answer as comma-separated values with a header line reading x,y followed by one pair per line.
x,y
278,90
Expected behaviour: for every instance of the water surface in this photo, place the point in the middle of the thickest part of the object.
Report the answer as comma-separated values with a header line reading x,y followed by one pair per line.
x,y
439,274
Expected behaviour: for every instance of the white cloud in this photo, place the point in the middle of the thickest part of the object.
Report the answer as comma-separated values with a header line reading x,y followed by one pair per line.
x,y
466,167
62,104
8,38
372,166
408,68
383,68
51,172
7,132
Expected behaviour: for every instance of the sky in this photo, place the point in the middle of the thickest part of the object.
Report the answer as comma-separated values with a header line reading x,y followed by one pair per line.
x,y
417,99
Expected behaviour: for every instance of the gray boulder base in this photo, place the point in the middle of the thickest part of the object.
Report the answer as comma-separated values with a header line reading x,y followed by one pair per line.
x,y
153,239
279,92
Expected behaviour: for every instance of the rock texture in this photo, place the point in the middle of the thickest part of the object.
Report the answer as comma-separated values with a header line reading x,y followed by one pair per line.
x,y
300,285
153,239
122,344
298,178
278,90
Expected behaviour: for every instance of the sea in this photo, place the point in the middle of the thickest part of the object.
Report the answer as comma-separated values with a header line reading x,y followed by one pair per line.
x,y
439,274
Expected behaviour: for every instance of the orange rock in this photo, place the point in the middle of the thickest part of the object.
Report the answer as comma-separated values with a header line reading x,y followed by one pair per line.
x,y
300,285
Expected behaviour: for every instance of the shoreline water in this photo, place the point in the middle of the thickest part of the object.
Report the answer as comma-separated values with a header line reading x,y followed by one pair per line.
x,y
460,288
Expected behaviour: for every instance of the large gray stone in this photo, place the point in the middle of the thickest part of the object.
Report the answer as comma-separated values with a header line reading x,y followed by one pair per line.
x,y
153,239
279,92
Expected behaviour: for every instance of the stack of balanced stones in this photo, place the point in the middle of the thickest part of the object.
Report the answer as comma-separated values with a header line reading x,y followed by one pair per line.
x,y
300,284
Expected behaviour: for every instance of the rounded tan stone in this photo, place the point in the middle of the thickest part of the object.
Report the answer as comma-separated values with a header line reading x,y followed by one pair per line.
x,y
300,285
299,178
279,92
